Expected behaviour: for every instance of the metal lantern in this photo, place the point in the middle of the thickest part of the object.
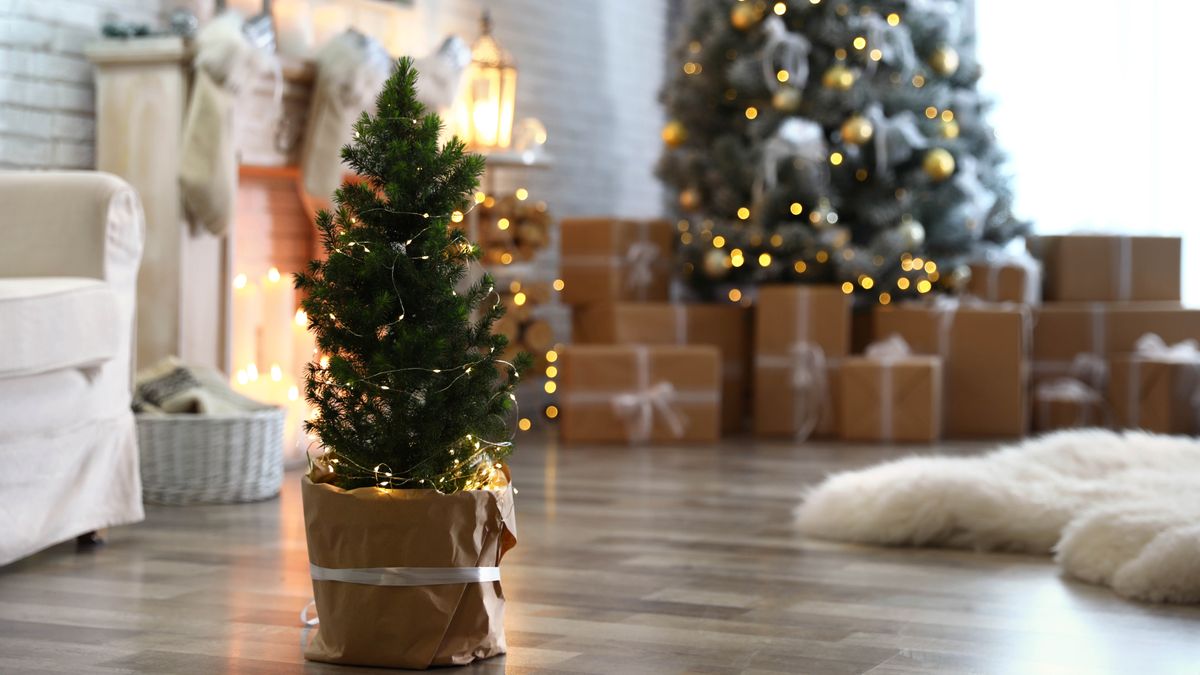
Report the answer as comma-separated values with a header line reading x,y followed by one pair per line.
x,y
485,109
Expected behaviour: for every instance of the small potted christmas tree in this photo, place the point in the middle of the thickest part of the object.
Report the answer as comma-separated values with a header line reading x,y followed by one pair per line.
x,y
407,505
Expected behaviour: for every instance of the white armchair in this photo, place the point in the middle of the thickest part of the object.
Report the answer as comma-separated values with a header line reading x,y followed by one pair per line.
x,y
70,245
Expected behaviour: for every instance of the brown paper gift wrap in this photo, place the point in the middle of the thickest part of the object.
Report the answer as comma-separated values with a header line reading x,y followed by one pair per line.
x,y
352,532
1006,281
638,394
1156,392
1068,403
1065,333
607,259
793,327
1109,267
984,361
726,327
887,400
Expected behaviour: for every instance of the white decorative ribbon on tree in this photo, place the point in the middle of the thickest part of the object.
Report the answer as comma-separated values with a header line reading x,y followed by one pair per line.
x,y
895,138
786,51
886,353
799,140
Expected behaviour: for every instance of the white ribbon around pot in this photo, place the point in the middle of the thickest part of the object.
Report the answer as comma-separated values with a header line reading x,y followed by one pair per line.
x,y
396,576
886,353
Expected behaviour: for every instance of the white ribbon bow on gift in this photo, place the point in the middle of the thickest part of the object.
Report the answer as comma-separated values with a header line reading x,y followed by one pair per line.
x,y
810,381
639,265
887,352
1081,387
637,409
1151,346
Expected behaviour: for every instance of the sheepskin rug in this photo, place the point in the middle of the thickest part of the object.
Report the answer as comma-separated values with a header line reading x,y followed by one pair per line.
x,y
1118,509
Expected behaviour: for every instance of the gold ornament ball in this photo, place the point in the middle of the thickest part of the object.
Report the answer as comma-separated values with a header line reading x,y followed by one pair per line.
x,y
746,14
787,100
944,60
958,279
857,130
674,134
950,129
939,164
689,199
838,77
715,265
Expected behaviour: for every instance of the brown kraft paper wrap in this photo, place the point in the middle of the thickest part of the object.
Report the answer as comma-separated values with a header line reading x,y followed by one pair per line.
x,y
1006,281
984,350
607,259
353,532
891,399
726,327
1067,334
640,394
800,334
1109,267
1155,388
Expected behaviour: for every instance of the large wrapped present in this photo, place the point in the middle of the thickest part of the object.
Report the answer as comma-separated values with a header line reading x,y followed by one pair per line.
x,y
609,259
800,334
1109,267
890,394
1155,388
640,394
407,578
726,327
984,350
1068,334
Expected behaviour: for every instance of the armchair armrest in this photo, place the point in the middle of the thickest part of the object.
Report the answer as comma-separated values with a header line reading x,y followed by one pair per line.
x,y
71,224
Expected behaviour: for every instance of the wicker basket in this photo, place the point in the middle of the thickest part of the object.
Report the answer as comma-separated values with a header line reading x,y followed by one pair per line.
x,y
213,459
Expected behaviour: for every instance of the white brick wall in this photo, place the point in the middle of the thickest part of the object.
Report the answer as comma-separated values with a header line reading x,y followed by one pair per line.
x,y
589,70
46,97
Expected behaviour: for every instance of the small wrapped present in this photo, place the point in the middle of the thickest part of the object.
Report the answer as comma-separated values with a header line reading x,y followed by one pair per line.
x,y
800,333
890,394
607,259
1006,278
726,327
640,394
1109,267
1067,403
1156,387
984,350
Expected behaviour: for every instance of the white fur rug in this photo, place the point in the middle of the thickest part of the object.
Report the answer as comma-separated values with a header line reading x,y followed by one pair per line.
x,y
1119,509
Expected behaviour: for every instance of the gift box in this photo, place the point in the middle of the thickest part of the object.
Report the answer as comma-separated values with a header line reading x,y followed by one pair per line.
x,y
640,394
1068,335
1108,267
1006,280
607,260
800,334
1155,387
984,350
726,327
897,398
1067,403
407,578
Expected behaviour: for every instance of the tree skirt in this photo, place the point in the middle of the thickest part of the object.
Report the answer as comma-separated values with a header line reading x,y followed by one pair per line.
x,y
1118,509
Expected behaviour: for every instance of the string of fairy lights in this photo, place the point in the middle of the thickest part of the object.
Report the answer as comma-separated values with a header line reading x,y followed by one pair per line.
x,y
908,273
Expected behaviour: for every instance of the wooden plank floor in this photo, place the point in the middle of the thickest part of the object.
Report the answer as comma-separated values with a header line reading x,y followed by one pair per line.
x,y
631,560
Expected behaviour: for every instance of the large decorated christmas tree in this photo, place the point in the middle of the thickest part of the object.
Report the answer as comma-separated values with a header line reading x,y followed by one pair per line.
x,y
412,390
837,141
